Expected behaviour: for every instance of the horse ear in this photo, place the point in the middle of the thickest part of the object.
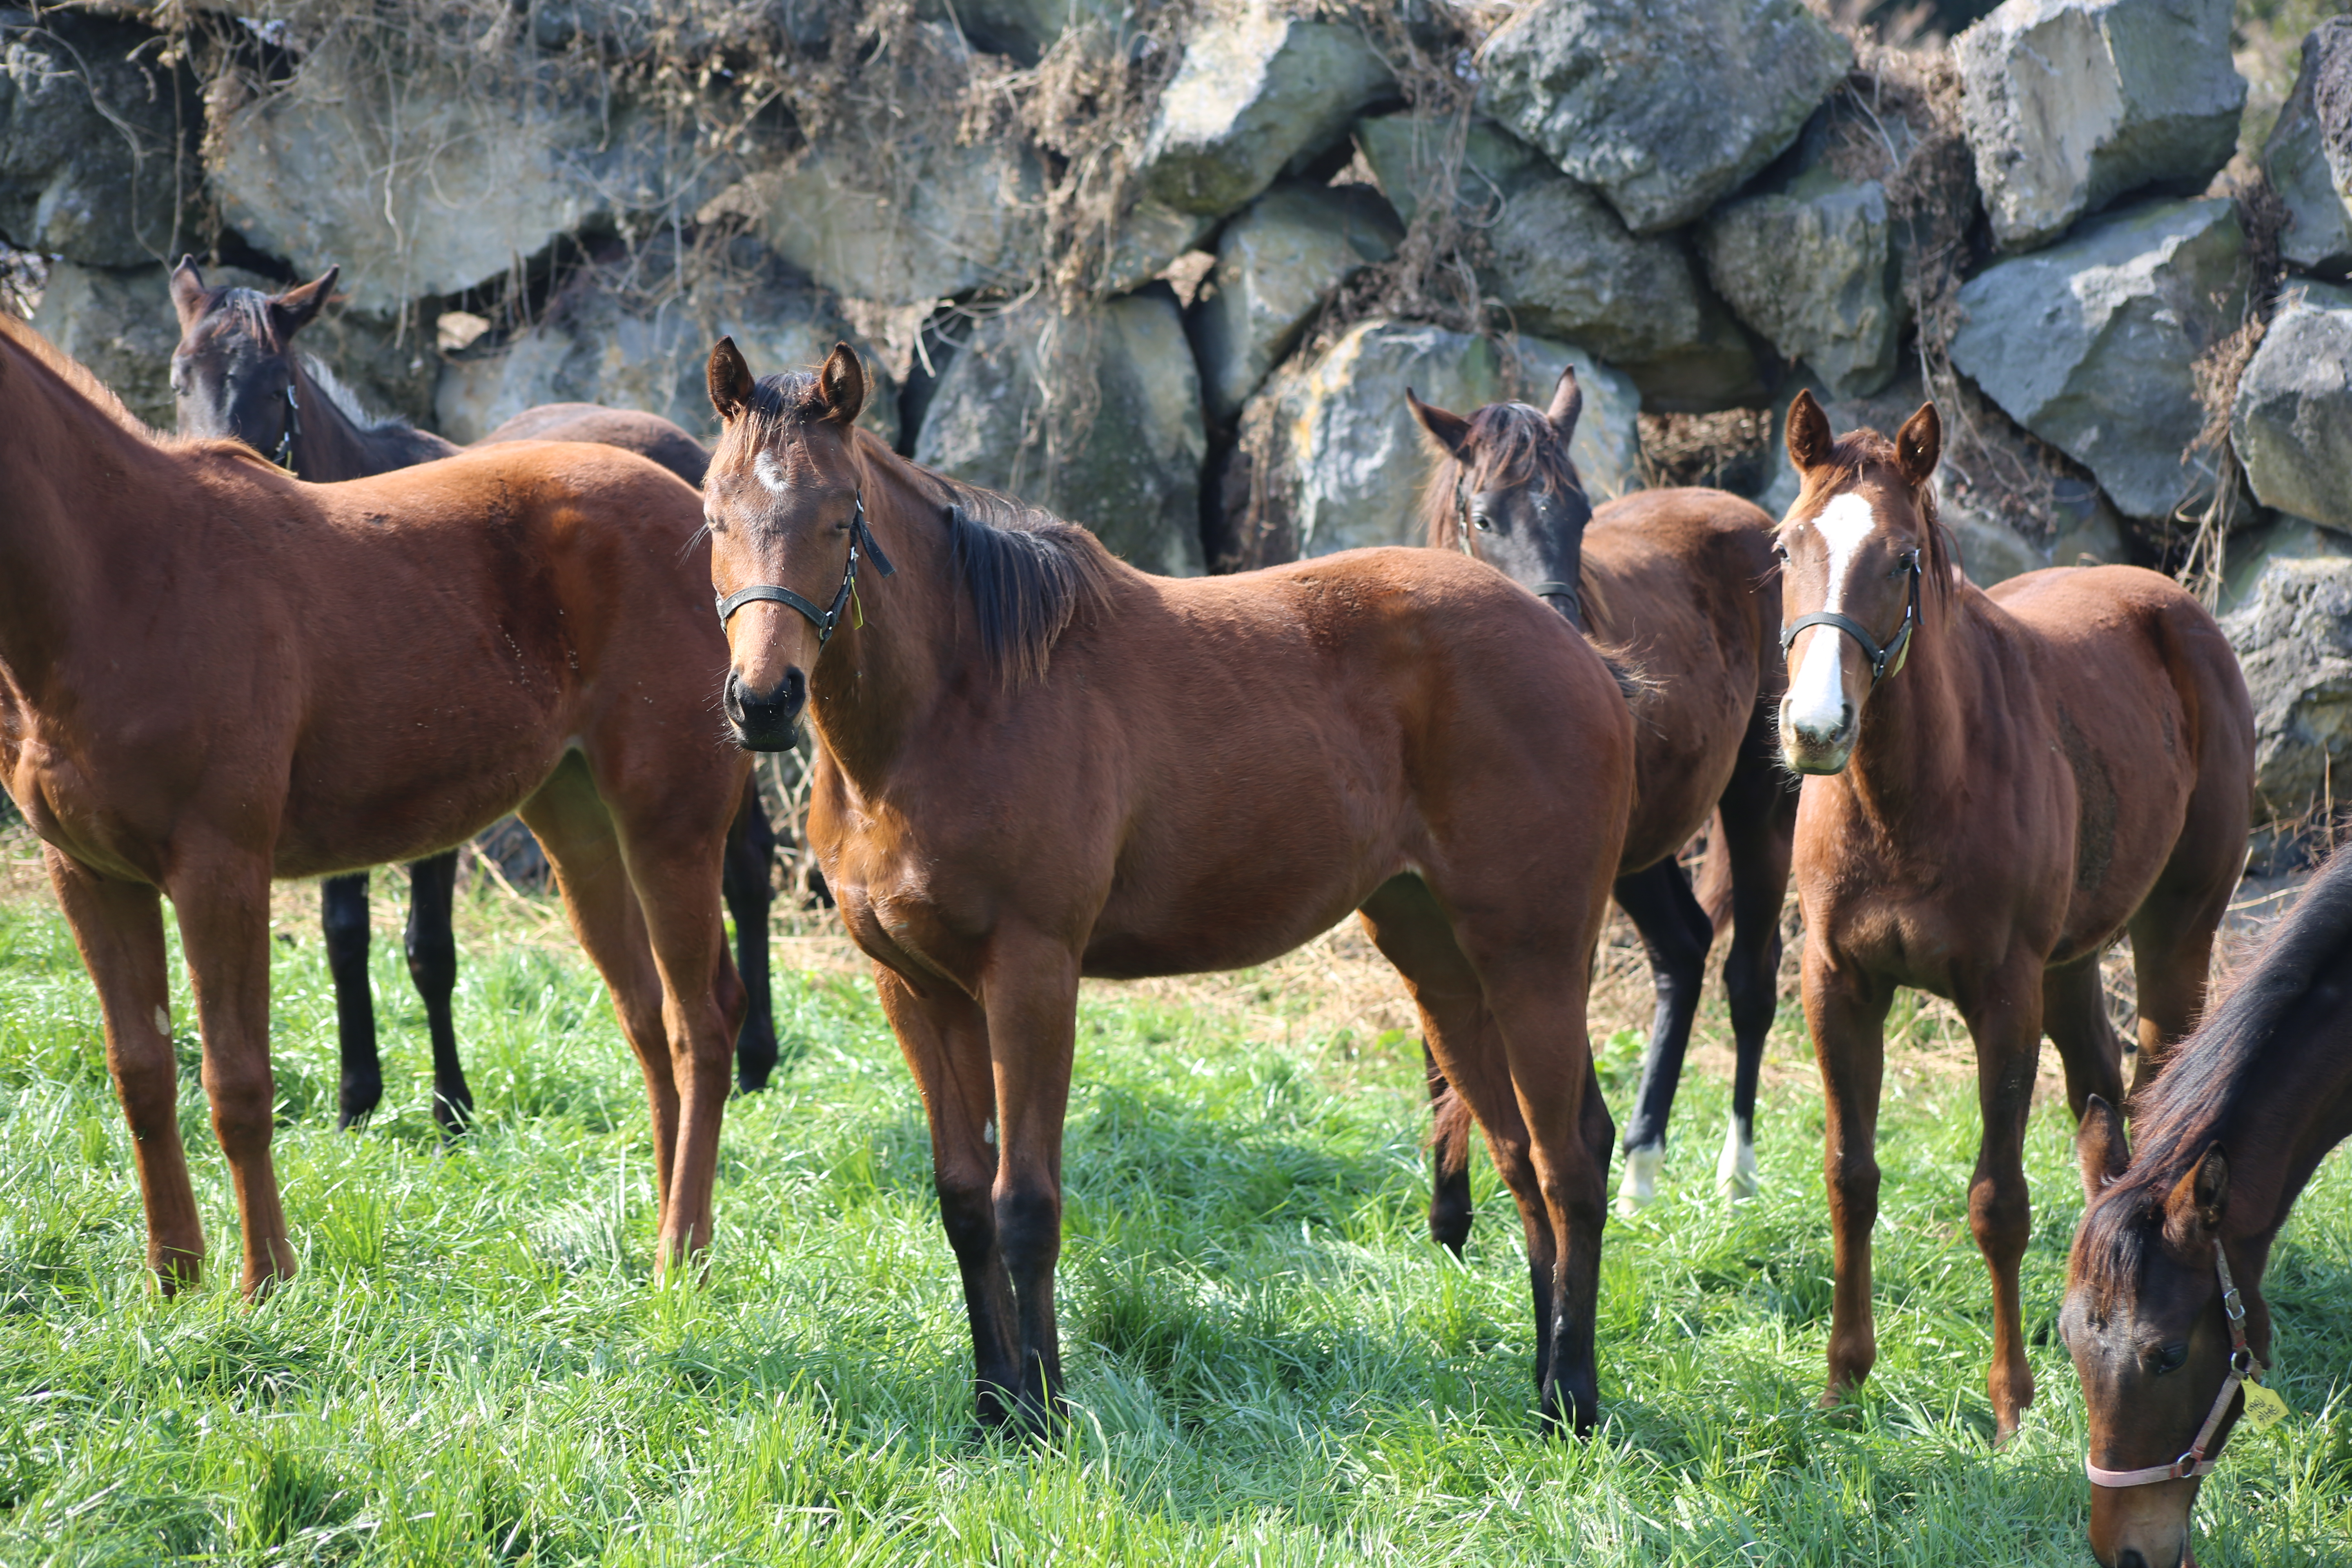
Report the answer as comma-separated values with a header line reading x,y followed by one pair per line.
x,y
2193,1209
843,382
1450,431
2100,1147
1567,403
190,297
730,380
1809,432
300,306
1919,444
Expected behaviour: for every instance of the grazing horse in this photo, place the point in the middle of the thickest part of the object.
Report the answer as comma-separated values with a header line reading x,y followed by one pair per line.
x,y
1038,763
212,674
2001,785
237,375
2227,1139
1683,581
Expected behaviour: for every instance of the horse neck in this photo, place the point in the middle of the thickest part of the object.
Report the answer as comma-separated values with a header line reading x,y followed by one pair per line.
x,y
2291,1103
334,447
887,670
1908,759
82,488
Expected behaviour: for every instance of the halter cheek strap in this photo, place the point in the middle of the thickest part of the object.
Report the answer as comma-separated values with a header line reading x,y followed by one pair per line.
x,y
1884,661
825,620
2243,1368
285,458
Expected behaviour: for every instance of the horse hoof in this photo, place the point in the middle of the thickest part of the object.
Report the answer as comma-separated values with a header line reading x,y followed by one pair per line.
x,y
1735,1169
1639,1189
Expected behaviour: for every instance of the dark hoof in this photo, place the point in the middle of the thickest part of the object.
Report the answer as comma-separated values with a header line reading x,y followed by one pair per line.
x,y
454,1115
1569,1407
1450,1228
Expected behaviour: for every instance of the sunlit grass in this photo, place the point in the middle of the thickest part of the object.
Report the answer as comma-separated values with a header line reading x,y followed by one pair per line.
x,y
1269,1362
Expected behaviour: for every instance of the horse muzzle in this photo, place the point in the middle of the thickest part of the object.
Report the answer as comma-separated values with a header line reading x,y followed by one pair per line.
x,y
2143,1527
767,721
1818,743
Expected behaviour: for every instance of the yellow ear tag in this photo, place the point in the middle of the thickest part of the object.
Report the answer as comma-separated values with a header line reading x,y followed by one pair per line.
x,y
2264,1408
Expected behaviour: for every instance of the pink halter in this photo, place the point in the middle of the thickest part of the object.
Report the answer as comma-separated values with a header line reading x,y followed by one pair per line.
x,y
2244,1368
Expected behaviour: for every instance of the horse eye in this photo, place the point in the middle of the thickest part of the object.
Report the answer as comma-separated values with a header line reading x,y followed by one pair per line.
x,y
1780,553
2169,1358
1484,523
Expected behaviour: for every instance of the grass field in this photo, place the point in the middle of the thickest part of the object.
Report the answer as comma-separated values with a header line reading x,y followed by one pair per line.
x,y
1269,1361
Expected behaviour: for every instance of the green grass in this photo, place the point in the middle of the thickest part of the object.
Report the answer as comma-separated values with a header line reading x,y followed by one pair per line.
x,y
1269,1361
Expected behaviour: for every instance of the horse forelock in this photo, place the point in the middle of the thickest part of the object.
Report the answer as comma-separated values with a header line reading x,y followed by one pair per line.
x,y
1864,458
1027,572
1511,445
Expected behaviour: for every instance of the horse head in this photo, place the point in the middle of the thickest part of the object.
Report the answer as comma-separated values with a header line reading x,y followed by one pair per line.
x,y
1854,551
787,511
233,372
2148,1321
1507,493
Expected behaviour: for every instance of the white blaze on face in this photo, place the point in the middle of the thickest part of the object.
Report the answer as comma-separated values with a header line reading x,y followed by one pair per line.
x,y
769,474
1817,691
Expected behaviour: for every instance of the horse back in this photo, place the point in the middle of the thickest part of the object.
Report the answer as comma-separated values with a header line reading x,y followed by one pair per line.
x,y
647,435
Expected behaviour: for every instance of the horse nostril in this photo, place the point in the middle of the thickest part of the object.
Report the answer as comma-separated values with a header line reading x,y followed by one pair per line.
x,y
764,719
2130,1558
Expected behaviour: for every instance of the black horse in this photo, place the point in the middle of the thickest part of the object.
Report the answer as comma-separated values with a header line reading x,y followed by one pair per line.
x,y
235,373
1682,583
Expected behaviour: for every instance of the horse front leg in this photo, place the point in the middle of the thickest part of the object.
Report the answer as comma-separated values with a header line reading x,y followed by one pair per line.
x,y
944,1038
223,901
343,921
1676,933
1846,1013
1029,991
2004,1016
432,943
118,926
1758,819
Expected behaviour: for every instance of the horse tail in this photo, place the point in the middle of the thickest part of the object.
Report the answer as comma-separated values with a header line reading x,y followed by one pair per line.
x,y
1449,1134
1713,884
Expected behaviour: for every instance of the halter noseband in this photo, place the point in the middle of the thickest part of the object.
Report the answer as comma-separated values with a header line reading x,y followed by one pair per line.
x,y
1547,590
2243,1368
1884,661
825,620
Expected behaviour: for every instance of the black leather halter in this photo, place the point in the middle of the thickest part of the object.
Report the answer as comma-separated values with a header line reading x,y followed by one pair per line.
x,y
1884,661
825,620
285,458
1545,590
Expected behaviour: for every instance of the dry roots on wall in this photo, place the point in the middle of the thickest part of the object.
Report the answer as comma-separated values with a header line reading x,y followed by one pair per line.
x,y
2203,551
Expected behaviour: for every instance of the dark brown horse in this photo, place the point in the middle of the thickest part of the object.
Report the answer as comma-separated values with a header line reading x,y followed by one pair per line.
x,y
2003,784
237,375
2227,1139
1039,764
212,674
1683,580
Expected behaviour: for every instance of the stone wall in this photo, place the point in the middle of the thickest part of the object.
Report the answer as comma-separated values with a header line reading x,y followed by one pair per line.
x,y
1167,265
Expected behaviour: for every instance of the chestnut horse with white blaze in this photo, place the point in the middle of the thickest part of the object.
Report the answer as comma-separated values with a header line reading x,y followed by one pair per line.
x,y
212,674
2165,1315
1682,582
2001,784
1039,764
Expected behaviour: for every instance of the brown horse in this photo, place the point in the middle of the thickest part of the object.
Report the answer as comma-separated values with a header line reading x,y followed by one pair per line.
x,y
1039,764
237,375
2227,1139
2003,784
212,674
1683,580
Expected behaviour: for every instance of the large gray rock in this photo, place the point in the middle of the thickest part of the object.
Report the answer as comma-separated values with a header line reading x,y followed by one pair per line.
x,y
1277,263
2079,527
1813,268
2276,538
1664,105
1258,93
91,148
1024,29
2309,155
2292,422
1566,267
595,345
2089,344
942,221
1007,413
422,186
2072,103
2293,640
1329,457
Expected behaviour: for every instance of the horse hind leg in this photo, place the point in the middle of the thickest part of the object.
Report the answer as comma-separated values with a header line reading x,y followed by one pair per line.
x,y
432,945
1676,933
2075,1016
2172,958
343,921
744,882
